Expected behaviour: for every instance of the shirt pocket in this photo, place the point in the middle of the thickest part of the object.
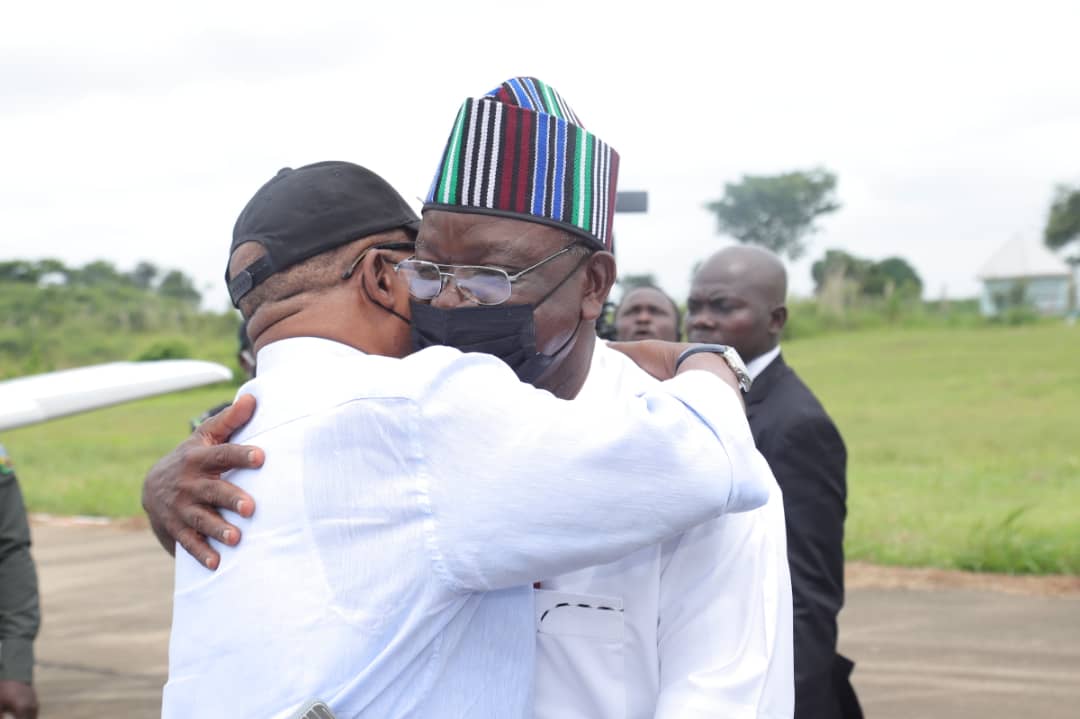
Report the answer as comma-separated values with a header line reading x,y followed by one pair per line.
x,y
580,670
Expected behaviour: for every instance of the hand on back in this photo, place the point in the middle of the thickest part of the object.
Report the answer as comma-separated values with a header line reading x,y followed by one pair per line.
x,y
183,493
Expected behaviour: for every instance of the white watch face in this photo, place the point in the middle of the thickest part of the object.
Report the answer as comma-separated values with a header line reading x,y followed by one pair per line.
x,y
734,358
731,357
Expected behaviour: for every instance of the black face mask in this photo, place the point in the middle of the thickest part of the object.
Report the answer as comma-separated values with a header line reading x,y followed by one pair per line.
x,y
505,331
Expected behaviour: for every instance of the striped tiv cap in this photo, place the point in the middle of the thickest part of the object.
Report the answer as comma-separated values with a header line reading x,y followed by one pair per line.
x,y
521,152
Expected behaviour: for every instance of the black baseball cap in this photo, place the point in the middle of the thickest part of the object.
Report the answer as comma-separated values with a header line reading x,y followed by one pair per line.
x,y
307,211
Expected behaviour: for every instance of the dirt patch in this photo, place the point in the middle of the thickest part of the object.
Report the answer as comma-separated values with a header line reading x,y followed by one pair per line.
x,y
862,575
857,575
140,522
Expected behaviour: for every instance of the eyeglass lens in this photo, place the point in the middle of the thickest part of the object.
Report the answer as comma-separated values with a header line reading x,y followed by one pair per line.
x,y
481,284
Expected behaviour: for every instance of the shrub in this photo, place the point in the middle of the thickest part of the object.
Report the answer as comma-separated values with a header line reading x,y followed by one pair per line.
x,y
165,349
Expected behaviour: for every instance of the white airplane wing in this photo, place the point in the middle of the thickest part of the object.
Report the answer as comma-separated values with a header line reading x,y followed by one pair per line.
x,y
37,398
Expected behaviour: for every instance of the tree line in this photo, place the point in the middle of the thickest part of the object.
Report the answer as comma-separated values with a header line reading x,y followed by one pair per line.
x,y
144,276
54,316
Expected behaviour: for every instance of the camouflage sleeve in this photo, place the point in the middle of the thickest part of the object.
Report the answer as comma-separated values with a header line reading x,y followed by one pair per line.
x,y
207,415
20,614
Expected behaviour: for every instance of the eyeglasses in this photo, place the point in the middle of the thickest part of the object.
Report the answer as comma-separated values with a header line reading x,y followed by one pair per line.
x,y
385,246
479,283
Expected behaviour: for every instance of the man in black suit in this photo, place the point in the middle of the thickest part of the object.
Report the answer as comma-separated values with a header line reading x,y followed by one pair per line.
x,y
738,298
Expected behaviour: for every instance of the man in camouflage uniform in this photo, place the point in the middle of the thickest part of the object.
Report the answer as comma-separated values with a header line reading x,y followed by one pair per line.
x,y
19,611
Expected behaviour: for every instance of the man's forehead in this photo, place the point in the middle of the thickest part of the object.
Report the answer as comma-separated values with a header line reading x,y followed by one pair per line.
x,y
729,275
710,285
646,296
463,238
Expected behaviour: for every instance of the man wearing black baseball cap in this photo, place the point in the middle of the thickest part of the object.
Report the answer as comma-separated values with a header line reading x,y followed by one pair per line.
x,y
407,505
305,212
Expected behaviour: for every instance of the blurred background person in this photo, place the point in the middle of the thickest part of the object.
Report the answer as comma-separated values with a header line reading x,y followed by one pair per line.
x,y
245,356
245,360
738,298
647,313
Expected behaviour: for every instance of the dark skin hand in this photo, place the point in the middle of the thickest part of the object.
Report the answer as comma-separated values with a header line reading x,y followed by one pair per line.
x,y
658,358
182,492
18,700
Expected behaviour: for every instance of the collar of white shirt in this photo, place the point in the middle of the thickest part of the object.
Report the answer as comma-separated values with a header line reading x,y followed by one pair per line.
x,y
757,365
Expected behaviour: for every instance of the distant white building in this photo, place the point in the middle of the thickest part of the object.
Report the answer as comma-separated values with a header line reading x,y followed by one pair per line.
x,y
1024,272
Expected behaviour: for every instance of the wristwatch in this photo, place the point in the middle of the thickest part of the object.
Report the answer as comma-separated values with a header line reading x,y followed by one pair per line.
x,y
730,355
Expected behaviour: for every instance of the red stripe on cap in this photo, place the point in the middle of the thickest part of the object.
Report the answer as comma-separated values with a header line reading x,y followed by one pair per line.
x,y
521,170
505,177
505,96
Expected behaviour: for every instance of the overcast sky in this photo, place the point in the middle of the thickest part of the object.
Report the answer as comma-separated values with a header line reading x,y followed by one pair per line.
x,y
131,133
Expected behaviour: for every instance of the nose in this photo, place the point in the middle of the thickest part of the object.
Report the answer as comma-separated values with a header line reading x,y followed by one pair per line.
x,y
642,317
702,320
450,295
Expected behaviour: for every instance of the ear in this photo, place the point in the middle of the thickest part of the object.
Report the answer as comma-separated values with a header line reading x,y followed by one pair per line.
x,y
777,320
377,277
599,279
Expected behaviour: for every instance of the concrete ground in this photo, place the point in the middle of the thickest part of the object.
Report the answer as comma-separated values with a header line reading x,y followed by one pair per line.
x,y
954,652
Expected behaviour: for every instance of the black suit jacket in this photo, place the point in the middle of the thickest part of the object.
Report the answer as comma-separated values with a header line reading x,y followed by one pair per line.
x,y
808,458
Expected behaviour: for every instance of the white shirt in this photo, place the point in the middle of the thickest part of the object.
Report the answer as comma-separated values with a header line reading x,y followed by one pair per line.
x,y
757,365
406,506
706,622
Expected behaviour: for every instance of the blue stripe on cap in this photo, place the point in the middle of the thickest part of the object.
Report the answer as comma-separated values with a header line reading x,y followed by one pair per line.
x,y
560,167
523,95
534,93
540,169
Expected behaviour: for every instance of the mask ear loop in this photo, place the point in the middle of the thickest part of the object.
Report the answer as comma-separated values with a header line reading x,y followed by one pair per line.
x,y
569,339
563,281
553,290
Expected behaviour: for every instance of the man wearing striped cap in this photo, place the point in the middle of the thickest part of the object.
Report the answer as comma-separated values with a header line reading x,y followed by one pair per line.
x,y
514,258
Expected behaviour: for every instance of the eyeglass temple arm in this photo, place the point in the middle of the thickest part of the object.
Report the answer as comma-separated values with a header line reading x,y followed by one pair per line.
x,y
544,261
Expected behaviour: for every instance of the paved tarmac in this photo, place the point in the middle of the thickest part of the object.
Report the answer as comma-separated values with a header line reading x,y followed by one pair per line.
x,y
957,653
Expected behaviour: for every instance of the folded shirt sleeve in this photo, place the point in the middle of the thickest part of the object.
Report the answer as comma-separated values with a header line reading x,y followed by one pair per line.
x,y
524,486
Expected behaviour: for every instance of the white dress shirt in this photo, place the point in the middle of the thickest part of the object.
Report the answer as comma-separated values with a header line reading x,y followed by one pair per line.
x,y
705,628
405,507
757,365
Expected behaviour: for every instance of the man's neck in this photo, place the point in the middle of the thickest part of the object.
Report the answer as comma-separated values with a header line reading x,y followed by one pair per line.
x,y
359,333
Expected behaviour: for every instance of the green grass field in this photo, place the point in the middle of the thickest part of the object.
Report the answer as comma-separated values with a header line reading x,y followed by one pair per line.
x,y
94,463
964,445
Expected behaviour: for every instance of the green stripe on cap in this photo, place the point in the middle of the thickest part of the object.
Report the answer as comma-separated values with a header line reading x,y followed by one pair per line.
x,y
549,97
454,150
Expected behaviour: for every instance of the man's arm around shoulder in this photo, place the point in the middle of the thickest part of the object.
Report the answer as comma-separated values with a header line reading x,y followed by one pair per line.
x,y
564,485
